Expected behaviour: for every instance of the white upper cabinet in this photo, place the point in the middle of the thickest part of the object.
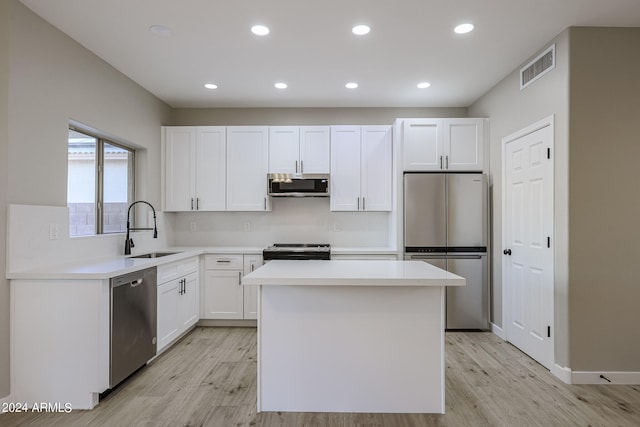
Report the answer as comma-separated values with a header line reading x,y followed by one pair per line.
x,y
179,162
443,144
247,165
299,149
376,168
464,144
315,146
194,168
422,145
361,168
284,149
211,169
345,168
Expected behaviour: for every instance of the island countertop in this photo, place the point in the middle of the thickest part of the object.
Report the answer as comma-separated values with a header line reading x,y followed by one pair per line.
x,y
351,273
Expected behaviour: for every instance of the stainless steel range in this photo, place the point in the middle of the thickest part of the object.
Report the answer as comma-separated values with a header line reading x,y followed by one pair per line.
x,y
297,251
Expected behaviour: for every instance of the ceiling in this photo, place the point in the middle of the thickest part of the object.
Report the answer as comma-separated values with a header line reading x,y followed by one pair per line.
x,y
312,49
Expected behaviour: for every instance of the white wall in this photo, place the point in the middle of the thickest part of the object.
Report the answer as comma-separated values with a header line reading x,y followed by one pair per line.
x,y
4,163
510,110
292,220
303,116
604,291
52,79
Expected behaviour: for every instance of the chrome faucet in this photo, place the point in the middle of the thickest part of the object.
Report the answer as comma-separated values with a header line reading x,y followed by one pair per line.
x,y
128,243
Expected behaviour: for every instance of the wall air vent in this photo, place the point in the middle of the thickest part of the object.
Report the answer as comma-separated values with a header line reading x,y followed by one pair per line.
x,y
537,68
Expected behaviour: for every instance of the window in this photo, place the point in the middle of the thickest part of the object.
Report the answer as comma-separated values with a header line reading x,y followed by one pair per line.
x,y
99,184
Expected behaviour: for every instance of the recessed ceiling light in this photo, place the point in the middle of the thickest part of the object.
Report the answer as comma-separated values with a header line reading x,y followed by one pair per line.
x,y
423,85
260,30
160,30
280,85
210,86
360,30
463,28
351,85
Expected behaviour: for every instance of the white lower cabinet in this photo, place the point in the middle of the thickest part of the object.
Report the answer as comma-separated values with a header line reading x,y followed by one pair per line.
x,y
167,314
250,293
224,297
177,300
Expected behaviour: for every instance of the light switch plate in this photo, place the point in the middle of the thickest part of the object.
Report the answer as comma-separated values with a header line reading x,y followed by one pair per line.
x,y
54,232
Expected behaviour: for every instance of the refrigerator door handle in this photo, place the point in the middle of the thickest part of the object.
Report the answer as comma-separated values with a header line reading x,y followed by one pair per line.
x,y
464,256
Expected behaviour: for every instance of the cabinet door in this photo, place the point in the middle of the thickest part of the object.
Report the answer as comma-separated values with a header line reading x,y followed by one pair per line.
x,y
210,169
345,168
463,141
222,295
251,262
247,164
179,158
284,151
167,313
376,172
315,149
187,302
422,145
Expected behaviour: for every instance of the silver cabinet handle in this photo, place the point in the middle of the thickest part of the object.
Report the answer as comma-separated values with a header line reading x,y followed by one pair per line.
x,y
239,278
223,261
447,160
301,166
197,203
296,166
358,203
363,208
440,162
192,203
253,267
265,203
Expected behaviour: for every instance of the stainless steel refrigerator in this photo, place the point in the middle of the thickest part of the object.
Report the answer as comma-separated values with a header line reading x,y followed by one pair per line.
x,y
445,224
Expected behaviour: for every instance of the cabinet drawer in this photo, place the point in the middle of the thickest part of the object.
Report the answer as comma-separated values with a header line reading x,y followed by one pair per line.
x,y
223,262
176,269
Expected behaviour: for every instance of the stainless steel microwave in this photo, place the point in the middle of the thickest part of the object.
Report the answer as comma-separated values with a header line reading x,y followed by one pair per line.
x,y
301,185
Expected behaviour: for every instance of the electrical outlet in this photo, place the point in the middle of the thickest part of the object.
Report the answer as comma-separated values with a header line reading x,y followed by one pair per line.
x,y
336,226
193,226
54,232
247,227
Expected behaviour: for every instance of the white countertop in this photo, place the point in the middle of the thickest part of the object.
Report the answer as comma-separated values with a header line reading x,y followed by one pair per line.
x,y
351,273
106,268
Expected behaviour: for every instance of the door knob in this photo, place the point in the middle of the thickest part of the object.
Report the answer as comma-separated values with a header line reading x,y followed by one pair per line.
x,y
507,252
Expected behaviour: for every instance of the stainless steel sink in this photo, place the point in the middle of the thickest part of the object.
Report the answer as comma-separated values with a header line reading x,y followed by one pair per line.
x,y
155,254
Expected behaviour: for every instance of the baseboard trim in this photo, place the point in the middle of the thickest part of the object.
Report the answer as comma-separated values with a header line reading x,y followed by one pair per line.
x,y
498,331
563,373
248,323
614,377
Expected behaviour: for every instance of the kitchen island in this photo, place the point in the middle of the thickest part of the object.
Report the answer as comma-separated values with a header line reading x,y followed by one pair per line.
x,y
351,336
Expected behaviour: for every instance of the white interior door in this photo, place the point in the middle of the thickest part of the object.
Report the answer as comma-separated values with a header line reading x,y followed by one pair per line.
x,y
528,251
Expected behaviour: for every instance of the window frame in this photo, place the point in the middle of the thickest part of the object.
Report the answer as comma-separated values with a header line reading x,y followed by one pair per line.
x,y
101,141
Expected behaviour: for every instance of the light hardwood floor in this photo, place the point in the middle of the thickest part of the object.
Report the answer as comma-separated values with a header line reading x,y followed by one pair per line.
x,y
209,379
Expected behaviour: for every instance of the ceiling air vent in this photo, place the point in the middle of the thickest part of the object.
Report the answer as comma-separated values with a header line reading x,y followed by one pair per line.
x,y
537,68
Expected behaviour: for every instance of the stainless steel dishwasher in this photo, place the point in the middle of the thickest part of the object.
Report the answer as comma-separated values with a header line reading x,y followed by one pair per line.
x,y
133,323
